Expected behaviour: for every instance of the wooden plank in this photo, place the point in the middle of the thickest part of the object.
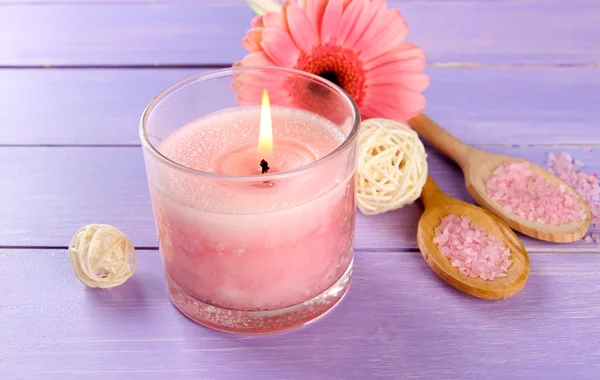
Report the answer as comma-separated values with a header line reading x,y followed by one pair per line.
x,y
481,106
79,106
206,2
517,106
152,33
399,321
47,194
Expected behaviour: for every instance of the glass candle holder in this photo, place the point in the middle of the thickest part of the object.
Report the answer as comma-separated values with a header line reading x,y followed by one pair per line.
x,y
245,249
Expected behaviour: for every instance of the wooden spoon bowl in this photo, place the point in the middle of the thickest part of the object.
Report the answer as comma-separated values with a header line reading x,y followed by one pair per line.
x,y
479,170
478,166
437,206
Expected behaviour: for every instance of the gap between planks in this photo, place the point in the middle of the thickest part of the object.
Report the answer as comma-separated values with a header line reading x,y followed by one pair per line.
x,y
222,2
480,146
217,66
471,31
391,251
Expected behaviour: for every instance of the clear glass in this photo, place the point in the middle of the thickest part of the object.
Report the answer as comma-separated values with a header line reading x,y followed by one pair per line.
x,y
244,251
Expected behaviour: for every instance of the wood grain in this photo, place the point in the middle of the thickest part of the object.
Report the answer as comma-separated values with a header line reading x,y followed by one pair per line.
x,y
479,106
397,316
439,205
79,106
479,165
159,33
399,321
482,166
47,194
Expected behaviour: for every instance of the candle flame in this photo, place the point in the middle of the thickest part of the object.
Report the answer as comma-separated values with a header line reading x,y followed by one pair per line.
x,y
265,135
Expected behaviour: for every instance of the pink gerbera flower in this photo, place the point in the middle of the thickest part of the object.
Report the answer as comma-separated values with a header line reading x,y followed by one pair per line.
x,y
357,44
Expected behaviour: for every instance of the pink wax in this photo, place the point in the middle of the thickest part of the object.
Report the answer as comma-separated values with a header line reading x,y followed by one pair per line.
x,y
262,244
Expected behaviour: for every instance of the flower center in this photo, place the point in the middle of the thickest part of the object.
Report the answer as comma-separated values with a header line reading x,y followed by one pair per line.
x,y
338,65
330,76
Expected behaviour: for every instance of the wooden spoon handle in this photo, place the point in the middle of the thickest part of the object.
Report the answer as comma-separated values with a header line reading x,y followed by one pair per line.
x,y
441,139
431,194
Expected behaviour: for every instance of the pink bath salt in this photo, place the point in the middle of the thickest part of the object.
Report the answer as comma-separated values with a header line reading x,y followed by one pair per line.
x,y
522,191
584,183
471,249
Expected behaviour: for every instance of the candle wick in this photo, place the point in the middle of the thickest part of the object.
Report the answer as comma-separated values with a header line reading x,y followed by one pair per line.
x,y
264,165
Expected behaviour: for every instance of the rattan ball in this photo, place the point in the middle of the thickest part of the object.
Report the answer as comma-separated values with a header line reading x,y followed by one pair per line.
x,y
392,166
102,256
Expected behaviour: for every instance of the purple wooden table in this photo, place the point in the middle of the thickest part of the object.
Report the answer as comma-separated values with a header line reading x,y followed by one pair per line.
x,y
517,77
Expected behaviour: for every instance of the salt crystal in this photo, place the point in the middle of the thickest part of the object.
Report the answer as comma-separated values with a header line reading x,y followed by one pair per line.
x,y
595,236
586,184
566,156
588,239
484,256
578,163
516,187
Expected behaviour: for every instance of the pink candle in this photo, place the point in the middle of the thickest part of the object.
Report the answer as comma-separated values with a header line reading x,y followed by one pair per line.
x,y
250,252
242,246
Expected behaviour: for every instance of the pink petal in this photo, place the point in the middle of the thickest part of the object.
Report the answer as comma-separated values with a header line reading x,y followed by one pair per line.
x,y
406,51
249,86
280,47
373,29
392,67
417,65
387,38
258,58
400,106
252,93
276,20
314,10
411,65
253,39
416,81
356,18
254,89
258,22
301,28
386,112
331,20
350,18
368,111
259,78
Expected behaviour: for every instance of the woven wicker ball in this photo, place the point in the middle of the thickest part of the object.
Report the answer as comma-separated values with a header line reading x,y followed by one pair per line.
x,y
102,256
392,166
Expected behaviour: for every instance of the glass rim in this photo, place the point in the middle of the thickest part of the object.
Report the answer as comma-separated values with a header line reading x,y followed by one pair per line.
x,y
229,71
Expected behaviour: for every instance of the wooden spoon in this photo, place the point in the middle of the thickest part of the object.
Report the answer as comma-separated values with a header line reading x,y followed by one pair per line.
x,y
478,166
438,205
